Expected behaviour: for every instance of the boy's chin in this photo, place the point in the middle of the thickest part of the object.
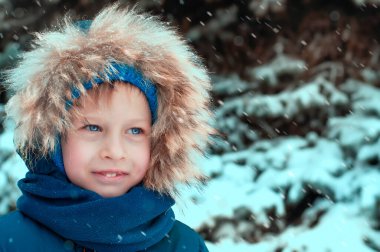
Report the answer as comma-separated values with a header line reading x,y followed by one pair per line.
x,y
111,193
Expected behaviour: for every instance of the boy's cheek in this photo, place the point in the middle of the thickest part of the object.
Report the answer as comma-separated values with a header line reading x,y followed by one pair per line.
x,y
74,151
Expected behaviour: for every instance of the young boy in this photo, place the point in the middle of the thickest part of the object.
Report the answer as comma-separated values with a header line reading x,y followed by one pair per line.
x,y
108,114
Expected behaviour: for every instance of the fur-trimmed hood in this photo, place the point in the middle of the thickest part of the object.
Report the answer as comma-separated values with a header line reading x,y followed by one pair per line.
x,y
62,59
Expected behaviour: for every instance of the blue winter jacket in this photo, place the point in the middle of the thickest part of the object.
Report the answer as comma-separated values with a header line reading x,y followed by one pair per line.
x,y
20,233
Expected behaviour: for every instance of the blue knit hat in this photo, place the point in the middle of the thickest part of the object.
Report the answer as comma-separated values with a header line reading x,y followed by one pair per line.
x,y
114,72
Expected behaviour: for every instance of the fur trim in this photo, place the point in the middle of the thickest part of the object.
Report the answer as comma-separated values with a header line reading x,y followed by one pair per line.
x,y
62,59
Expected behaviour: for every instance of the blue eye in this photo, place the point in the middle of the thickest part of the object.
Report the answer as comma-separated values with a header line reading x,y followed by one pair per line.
x,y
135,131
92,127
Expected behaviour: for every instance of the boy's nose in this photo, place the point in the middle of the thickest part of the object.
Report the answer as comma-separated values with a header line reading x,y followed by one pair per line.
x,y
113,148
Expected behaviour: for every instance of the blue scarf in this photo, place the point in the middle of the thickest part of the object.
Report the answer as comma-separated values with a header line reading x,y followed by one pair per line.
x,y
131,222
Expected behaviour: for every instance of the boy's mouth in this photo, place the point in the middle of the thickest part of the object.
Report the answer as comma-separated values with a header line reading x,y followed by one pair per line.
x,y
108,176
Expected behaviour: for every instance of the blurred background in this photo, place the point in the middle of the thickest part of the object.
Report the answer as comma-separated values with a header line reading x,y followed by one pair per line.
x,y
296,96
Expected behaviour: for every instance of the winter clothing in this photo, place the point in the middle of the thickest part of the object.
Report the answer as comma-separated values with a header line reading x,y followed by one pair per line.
x,y
23,234
65,59
125,73
86,218
63,216
56,215
118,45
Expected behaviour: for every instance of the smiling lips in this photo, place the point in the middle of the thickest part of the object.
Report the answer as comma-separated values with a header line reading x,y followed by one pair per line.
x,y
110,175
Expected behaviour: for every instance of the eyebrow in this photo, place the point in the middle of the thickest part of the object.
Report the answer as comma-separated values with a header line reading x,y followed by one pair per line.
x,y
84,120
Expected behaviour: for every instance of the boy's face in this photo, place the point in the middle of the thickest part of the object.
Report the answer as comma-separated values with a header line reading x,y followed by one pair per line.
x,y
108,150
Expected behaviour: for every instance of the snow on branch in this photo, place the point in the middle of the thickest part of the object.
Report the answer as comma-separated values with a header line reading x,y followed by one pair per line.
x,y
261,7
245,114
282,64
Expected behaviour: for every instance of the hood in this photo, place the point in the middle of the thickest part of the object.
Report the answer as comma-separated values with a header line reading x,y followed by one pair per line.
x,y
64,58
